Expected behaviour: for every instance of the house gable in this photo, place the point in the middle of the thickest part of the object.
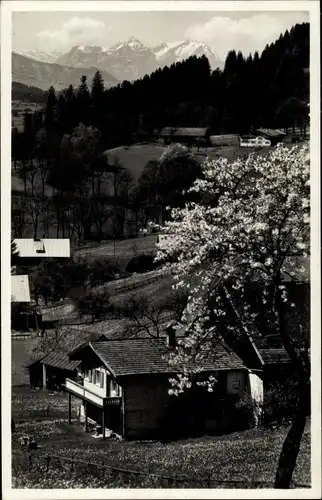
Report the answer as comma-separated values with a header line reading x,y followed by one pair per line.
x,y
90,358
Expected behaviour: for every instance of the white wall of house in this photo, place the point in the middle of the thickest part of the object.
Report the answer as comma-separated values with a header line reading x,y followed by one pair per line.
x,y
256,387
95,381
100,382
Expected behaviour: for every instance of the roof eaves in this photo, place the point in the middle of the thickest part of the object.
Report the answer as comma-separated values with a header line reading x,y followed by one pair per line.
x,y
102,359
81,346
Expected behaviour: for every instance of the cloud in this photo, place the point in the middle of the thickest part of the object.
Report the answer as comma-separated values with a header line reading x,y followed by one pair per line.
x,y
75,31
247,33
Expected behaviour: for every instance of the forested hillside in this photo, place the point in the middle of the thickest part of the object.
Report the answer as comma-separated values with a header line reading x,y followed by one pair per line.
x,y
22,92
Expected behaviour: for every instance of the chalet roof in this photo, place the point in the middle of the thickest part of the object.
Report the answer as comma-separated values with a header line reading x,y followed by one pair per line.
x,y
269,132
274,356
184,131
166,131
191,132
226,139
48,247
20,291
149,356
58,360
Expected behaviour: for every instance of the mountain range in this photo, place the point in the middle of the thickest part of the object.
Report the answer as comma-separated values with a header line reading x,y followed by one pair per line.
x,y
127,60
42,75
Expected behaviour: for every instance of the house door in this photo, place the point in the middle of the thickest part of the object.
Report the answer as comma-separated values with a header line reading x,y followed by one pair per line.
x,y
114,419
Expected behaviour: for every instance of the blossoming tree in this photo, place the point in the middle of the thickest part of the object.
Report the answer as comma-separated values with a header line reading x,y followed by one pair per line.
x,y
249,229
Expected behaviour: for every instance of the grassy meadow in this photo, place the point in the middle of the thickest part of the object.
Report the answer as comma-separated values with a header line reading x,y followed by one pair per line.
x,y
210,461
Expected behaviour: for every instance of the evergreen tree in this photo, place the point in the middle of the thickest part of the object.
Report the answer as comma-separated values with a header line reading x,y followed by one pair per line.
x,y
97,95
83,101
50,108
97,88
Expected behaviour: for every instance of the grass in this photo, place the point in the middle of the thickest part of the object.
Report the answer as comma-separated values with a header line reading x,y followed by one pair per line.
x,y
28,403
121,248
21,355
240,456
135,157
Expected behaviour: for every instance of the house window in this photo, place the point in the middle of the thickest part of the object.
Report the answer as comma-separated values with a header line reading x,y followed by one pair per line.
x,y
98,378
115,389
88,375
39,246
236,384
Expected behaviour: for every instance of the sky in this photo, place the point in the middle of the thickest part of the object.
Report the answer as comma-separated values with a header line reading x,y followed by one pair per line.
x,y
59,31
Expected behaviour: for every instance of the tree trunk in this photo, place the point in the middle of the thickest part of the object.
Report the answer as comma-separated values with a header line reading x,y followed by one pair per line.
x,y
291,445
93,185
63,224
36,227
43,180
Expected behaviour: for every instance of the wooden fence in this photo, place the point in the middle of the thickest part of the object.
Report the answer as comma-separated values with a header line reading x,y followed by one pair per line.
x,y
143,282
23,462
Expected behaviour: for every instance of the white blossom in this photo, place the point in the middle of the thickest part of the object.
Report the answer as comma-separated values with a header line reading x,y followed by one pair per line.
x,y
261,218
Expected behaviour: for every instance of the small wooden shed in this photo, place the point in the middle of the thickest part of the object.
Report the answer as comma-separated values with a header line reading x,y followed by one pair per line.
x,y
51,371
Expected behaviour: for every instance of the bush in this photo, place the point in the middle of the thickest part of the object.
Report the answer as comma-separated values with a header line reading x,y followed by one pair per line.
x,y
92,303
248,412
141,264
280,403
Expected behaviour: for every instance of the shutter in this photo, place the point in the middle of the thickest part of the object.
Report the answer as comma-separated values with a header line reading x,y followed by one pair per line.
x,y
102,379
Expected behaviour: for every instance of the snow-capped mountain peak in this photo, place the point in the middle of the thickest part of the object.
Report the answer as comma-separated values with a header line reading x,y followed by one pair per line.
x,y
183,49
88,49
133,43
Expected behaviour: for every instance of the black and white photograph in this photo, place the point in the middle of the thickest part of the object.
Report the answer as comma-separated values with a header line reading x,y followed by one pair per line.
x,y
160,197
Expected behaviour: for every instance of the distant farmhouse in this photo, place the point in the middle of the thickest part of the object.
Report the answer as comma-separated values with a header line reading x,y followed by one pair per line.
x,y
254,142
224,140
30,253
32,250
186,135
20,291
274,136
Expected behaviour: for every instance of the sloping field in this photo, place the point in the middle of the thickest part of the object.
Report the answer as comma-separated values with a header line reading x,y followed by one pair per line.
x,y
135,157
120,248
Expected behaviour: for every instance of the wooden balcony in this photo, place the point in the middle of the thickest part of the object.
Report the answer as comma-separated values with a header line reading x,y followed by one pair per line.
x,y
80,391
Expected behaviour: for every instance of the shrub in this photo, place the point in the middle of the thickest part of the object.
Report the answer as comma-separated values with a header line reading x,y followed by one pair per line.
x,y
141,264
92,303
280,403
248,412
